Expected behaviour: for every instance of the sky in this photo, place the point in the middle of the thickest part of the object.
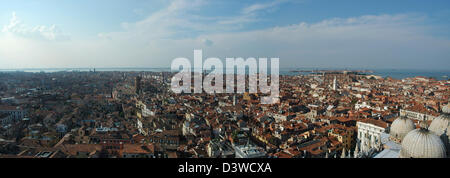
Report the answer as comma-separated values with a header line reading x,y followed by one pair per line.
x,y
363,34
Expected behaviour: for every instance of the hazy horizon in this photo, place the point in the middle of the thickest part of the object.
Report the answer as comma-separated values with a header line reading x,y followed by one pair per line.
x,y
286,68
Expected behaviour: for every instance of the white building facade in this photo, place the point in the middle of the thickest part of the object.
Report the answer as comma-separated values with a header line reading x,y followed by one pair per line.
x,y
416,115
369,136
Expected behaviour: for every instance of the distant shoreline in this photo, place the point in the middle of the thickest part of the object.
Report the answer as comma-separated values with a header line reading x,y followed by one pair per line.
x,y
393,73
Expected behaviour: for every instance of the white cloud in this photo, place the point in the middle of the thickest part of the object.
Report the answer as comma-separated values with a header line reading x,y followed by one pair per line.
x,y
241,19
250,13
178,20
262,6
166,23
366,41
181,5
13,23
51,33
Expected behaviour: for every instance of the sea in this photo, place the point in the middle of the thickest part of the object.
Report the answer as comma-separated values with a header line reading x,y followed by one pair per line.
x,y
394,73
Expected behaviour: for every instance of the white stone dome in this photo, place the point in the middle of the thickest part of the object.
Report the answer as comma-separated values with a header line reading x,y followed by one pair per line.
x,y
400,127
440,124
421,143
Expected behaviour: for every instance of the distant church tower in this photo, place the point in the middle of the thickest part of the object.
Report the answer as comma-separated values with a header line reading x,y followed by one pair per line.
x,y
334,84
137,84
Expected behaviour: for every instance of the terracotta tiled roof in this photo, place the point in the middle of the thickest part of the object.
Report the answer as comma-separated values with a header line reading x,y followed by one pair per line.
x,y
378,123
138,148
